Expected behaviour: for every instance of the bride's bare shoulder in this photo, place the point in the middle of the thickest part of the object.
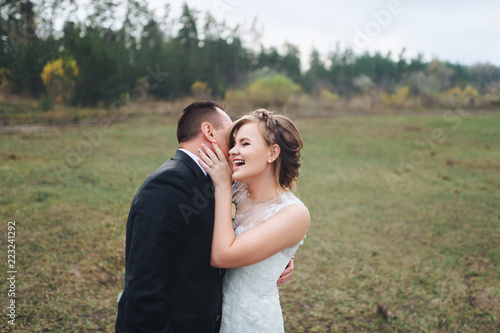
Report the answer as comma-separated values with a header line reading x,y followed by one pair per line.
x,y
296,214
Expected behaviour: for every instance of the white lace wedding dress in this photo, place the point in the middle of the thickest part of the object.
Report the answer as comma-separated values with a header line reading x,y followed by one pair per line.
x,y
250,294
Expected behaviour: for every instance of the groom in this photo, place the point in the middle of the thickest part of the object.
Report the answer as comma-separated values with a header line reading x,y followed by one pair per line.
x,y
169,284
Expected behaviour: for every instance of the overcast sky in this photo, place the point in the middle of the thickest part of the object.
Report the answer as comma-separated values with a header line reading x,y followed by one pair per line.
x,y
459,31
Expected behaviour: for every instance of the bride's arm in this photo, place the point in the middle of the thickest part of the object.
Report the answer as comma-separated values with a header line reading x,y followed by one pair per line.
x,y
287,228
221,174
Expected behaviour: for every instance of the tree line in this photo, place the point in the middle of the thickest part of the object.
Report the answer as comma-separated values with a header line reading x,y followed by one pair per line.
x,y
101,59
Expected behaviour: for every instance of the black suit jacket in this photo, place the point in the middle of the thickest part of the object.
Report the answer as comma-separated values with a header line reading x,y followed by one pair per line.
x,y
169,283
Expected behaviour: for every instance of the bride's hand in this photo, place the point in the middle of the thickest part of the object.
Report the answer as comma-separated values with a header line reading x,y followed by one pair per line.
x,y
216,165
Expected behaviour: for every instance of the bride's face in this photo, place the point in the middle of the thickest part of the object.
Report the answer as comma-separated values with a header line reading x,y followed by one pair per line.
x,y
250,154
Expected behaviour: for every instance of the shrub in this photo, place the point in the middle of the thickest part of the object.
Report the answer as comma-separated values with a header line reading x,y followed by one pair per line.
x,y
199,90
399,98
328,96
237,100
59,78
459,97
273,90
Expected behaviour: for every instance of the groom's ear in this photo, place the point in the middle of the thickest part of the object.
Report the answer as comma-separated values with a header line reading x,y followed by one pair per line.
x,y
208,132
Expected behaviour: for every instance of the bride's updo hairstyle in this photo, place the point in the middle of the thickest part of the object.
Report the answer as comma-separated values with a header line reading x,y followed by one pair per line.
x,y
280,130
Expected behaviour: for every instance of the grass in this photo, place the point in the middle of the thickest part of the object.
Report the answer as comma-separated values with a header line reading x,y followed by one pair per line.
x,y
21,111
405,230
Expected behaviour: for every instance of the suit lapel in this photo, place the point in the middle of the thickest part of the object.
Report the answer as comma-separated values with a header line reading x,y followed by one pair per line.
x,y
204,182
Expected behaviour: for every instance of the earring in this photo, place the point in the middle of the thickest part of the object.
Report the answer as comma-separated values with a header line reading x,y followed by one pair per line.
x,y
269,161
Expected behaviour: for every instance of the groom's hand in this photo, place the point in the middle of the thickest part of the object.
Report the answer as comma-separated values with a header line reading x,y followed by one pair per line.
x,y
286,276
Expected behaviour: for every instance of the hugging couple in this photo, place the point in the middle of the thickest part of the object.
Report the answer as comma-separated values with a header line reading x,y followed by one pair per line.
x,y
212,233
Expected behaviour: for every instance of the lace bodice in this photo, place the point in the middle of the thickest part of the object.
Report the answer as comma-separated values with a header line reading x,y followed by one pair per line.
x,y
250,294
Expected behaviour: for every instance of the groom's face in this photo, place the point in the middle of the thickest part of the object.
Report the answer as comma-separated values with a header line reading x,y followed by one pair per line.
x,y
221,133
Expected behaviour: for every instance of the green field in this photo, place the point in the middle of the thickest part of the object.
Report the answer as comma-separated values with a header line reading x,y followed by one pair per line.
x,y
405,232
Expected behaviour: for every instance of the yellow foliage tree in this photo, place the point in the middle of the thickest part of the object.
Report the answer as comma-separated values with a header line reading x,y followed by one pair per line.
x,y
199,90
59,78
457,96
398,99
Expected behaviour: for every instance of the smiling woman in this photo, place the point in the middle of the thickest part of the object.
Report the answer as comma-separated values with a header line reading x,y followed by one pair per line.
x,y
250,154
272,135
269,223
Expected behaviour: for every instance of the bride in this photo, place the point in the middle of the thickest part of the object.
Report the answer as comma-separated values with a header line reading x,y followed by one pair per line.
x,y
259,223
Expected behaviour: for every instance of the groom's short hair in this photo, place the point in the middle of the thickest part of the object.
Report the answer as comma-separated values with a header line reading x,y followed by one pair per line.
x,y
190,120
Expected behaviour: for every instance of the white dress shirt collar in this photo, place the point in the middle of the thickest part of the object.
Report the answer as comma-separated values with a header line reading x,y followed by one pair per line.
x,y
195,158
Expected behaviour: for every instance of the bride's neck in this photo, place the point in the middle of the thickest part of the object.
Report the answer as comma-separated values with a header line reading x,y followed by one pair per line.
x,y
264,191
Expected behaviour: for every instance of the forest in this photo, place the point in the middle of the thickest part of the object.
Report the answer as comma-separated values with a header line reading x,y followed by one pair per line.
x,y
54,54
